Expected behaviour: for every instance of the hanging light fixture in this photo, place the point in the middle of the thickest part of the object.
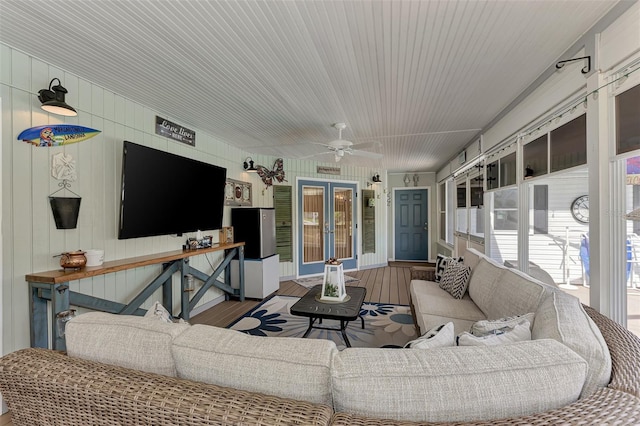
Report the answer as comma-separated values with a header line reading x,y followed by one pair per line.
x,y
53,100
248,165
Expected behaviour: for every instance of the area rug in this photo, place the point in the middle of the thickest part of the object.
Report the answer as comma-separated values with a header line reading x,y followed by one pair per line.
x,y
309,282
386,325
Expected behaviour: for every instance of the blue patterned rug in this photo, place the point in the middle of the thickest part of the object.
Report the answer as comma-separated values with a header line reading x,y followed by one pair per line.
x,y
386,325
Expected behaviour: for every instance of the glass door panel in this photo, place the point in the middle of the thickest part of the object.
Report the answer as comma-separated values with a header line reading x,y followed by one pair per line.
x,y
343,223
313,223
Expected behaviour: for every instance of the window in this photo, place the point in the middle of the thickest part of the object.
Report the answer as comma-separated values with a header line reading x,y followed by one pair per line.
x,y
476,201
492,175
569,144
627,122
540,209
451,188
535,157
461,206
505,210
508,170
442,206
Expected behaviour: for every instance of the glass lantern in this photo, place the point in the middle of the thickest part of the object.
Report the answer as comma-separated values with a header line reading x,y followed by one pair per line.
x,y
333,288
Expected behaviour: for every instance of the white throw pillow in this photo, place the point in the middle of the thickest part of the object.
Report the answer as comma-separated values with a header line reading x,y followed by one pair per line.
x,y
485,327
438,337
455,279
519,333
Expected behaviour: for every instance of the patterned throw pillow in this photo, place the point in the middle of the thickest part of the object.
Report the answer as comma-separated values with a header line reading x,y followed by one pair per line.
x,y
441,265
486,327
438,337
519,333
455,279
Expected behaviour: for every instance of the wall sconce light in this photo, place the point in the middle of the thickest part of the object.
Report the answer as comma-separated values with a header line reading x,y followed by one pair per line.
x,y
53,100
416,179
528,172
248,165
376,178
406,180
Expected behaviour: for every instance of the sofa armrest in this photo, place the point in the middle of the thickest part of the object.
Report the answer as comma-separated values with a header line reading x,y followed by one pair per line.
x,y
624,348
45,387
425,273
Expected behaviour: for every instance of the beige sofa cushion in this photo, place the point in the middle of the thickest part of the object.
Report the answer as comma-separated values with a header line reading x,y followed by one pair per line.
x,y
482,282
434,306
124,340
561,317
514,294
457,383
471,257
501,292
282,366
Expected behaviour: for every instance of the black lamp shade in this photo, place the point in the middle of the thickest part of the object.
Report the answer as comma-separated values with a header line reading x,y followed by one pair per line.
x,y
53,100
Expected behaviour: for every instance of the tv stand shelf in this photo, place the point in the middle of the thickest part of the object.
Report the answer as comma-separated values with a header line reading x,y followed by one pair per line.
x,y
53,286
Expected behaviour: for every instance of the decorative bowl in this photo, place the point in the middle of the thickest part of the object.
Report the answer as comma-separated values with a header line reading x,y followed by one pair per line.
x,y
73,259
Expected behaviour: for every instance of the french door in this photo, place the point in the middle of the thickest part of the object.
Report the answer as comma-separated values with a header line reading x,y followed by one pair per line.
x,y
326,225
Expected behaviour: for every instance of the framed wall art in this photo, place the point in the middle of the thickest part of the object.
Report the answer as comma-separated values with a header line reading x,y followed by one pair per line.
x,y
237,193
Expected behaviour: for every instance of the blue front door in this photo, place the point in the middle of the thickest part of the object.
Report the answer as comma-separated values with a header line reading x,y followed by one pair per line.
x,y
326,225
411,231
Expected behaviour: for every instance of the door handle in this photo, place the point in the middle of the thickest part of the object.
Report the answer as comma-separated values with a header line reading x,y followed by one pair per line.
x,y
426,228
326,228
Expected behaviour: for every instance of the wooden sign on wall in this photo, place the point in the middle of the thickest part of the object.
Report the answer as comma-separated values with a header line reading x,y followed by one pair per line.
x,y
174,131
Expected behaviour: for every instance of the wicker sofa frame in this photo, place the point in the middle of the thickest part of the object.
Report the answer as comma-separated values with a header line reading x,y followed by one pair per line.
x,y
46,387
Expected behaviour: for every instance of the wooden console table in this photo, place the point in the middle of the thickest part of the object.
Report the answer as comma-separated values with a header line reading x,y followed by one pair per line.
x,y
53,286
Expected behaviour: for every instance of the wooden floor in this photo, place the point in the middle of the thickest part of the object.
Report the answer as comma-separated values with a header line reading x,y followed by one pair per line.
x,y
384,285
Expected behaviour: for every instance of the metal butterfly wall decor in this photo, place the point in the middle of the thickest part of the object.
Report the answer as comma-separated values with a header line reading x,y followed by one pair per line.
x,y
267,175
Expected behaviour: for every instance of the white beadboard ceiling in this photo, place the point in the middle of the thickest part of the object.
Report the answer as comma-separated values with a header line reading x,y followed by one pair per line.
x,y
271,77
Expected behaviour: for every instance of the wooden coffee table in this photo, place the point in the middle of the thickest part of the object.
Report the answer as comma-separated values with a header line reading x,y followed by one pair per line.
x,y
349,310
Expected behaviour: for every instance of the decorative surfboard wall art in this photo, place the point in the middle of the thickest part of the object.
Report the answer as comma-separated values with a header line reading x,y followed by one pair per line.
x,y
57,134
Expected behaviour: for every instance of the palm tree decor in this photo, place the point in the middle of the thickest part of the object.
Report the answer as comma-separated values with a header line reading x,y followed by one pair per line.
x,y
333,288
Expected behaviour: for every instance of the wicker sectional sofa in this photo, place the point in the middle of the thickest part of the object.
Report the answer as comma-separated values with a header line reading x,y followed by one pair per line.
x,y
132,370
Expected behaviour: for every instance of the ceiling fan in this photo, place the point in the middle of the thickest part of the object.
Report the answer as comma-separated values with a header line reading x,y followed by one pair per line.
x,y
341,147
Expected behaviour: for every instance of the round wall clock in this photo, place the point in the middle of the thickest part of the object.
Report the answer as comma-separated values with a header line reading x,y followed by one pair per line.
x,y
580,209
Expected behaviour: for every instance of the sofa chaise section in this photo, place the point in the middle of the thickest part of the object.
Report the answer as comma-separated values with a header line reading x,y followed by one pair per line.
x,y
464,383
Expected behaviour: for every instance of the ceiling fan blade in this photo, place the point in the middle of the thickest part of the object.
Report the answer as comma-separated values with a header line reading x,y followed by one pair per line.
x,y
366,145
320,154
366,154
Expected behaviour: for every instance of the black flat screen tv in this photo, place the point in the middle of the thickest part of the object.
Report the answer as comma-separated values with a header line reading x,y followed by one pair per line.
x,y
164,193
